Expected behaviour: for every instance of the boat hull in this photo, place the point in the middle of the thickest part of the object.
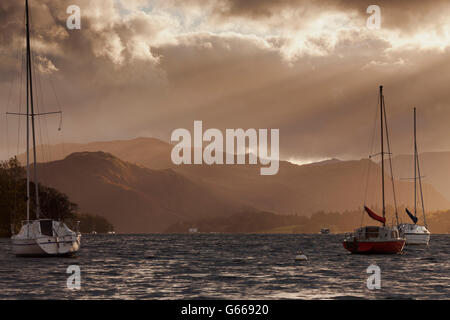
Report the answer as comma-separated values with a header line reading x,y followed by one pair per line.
x,y
26,247
46,246
415,234
45,237
417,238
374,247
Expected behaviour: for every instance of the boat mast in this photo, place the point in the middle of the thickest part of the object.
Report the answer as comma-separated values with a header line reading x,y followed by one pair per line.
x,y
382,152
415,165
28,138
418,172
32,114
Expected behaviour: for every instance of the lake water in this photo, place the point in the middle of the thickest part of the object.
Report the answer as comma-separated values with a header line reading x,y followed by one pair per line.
x,y
218,266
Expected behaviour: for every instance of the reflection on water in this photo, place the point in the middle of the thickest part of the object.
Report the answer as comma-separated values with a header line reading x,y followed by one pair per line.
x,y
204,266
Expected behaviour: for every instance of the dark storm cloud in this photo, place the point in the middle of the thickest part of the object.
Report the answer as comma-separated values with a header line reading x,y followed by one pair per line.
x,y
95,78
402,14
146,73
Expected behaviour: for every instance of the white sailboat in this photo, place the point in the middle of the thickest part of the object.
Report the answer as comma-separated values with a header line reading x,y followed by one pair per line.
x,y
40,237
412,232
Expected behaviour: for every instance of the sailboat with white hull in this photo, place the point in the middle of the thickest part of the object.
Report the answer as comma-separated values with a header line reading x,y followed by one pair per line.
x,y
414,233
377,239
39,237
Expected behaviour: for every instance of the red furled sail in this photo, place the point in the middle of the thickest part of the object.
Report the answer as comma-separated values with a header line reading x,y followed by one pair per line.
x,y
374,216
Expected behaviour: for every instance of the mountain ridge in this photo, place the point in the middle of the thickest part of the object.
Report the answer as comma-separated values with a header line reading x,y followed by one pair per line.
x,y
134,198
333,186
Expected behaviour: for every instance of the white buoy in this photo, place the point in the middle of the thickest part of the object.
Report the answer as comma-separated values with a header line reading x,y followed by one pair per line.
x,y
301,256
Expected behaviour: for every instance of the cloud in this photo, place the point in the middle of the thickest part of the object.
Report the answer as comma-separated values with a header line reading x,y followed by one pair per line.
x,y
311,69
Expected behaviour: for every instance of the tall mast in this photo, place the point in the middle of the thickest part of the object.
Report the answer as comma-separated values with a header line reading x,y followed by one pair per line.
x,y
32,114
390,160
28,138
418,173
415,164
382,152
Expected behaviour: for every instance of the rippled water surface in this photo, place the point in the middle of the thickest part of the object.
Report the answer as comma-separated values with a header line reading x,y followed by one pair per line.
x,y
210,266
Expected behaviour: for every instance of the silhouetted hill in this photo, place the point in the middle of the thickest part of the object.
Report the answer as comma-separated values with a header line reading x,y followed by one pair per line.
x,y
329,161
337,186
330,186
134,198
150,152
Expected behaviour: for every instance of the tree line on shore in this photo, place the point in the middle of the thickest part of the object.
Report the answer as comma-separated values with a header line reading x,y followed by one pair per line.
x,y
250,221
54,204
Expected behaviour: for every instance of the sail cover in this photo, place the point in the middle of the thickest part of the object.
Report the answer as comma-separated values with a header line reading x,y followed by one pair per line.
x,y
374,216
413,217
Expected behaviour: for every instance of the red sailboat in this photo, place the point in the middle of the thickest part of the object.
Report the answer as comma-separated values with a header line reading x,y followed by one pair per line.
x,y
377,239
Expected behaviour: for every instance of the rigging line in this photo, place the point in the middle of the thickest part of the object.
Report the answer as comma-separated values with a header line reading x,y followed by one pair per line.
x,y
62,137
49,151
35,90
369,162
44,126
60,117
371,146
38,100
54,93
41,109
390,161
420,186
20,79
33,122
8,102
57,102
20,50
24,63
35,80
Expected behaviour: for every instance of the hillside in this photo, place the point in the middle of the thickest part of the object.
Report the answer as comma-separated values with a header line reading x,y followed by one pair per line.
x,y
149,152
267,222
435,167
133,198
329,186
337,186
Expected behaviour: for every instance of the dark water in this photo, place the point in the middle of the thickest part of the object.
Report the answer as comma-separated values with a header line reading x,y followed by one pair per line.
x,y
214,266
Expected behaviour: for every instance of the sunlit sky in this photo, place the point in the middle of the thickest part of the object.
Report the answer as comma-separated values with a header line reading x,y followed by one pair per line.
x,y
309,68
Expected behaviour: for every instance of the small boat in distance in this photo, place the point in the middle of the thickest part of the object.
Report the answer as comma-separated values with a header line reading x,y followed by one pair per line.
x,y
39,237
193,230
377,239
324,231
301,256
414,233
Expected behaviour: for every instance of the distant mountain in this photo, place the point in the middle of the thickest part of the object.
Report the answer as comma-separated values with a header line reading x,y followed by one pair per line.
x,y
303,190
149,152
134,198
330,186
434,166
328,161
